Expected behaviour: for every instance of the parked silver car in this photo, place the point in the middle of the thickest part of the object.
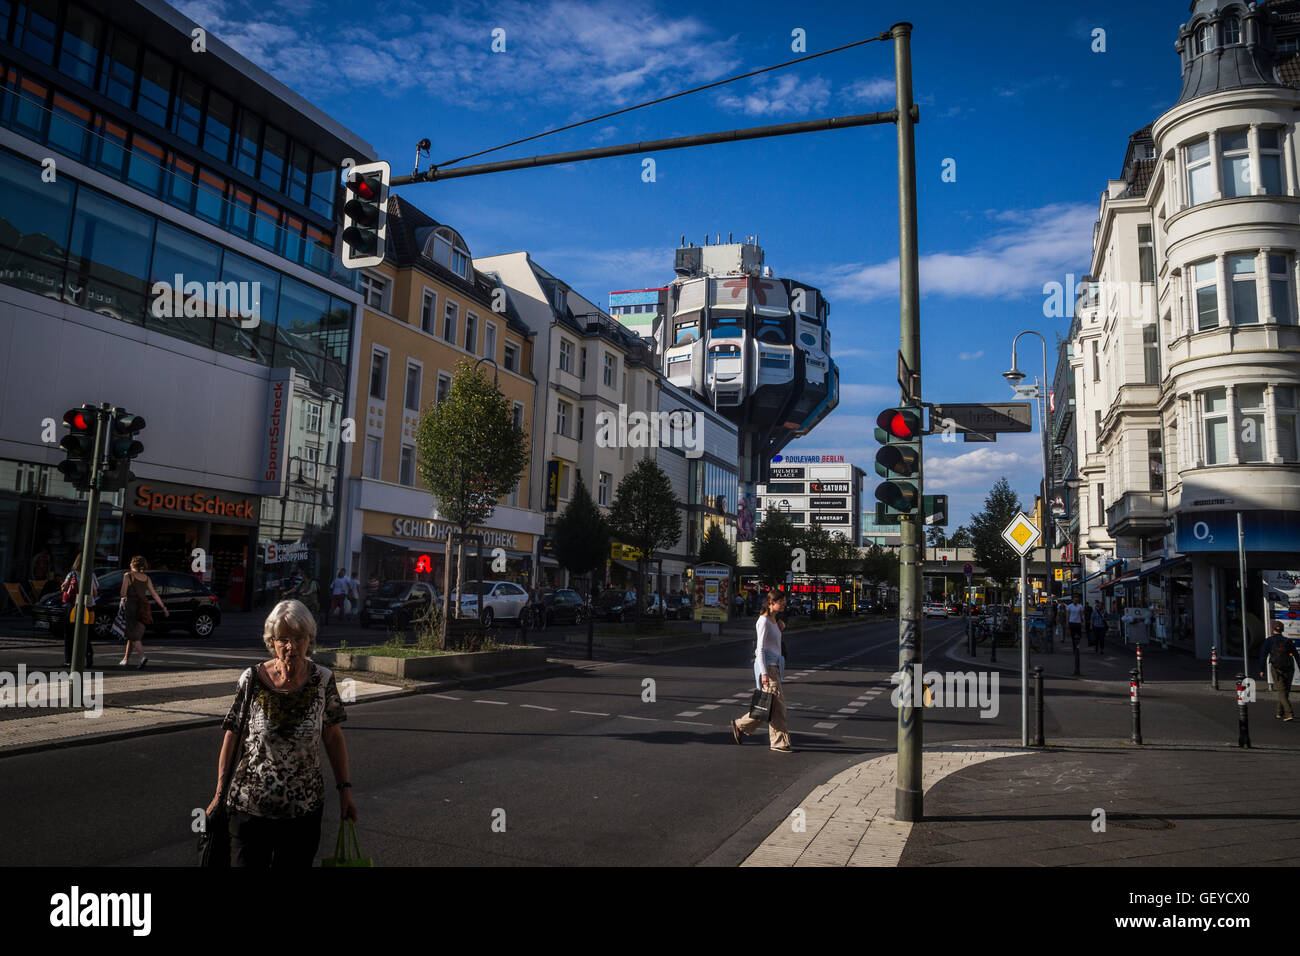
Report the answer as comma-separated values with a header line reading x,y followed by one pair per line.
x,y
501,599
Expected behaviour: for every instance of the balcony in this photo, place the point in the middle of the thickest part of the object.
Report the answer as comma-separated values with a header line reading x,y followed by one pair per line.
x,y
1137,513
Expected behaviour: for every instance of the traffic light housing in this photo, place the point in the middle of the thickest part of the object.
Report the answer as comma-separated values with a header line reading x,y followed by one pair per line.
x,y
122,448
899,461
365,215
79,445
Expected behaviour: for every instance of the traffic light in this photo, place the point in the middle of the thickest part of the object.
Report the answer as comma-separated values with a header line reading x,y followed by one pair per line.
x,y
79,444
899,461
122,447
365,215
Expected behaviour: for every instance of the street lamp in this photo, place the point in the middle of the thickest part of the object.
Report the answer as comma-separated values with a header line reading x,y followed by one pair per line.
x,y
495,370
1014,377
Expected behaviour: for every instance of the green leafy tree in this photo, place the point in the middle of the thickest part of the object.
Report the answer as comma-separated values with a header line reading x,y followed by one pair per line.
x,y
469,453
960,538
998,559
645,515
582,534
936,537
842,561
717,548
774,539
880,567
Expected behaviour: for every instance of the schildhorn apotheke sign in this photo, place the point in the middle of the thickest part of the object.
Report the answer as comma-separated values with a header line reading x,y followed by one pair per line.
x,y
425,530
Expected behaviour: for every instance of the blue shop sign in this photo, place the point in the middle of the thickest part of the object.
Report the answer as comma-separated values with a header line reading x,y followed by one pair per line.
x,y
1217,531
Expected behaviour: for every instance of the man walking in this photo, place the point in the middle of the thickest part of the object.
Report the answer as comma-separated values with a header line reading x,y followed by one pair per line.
x,y
1281,653
1098,627
1074,617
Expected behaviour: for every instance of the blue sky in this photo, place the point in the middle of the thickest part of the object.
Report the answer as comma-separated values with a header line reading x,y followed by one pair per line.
x,y
1035,120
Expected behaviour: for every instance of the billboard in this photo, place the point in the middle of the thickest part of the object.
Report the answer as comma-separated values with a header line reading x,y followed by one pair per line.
x,y
712,598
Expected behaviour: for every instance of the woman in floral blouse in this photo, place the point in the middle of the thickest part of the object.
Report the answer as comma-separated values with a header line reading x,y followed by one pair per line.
x,y
277,793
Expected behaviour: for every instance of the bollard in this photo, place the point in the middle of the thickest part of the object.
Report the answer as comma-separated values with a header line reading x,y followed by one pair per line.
x,y
1243,721
1214,667
1038,706
1136,737
993,642
1139,667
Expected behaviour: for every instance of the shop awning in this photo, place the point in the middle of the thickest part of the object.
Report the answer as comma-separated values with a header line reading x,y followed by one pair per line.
x,y
1163,565
626,565
1126,579
401,543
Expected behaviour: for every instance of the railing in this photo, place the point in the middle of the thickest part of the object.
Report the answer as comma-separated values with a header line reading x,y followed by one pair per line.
x,y
1136,505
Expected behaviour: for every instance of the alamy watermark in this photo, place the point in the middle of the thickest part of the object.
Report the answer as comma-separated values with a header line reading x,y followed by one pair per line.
x,y
195,299
675,429
38,690
951,689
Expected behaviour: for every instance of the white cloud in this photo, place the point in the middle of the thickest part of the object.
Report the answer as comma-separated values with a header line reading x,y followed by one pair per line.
x,y
879,89
967,356
785,94
1035,246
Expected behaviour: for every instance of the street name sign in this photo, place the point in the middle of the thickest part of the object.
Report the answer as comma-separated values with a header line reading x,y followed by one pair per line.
x,y
977,422
1021,534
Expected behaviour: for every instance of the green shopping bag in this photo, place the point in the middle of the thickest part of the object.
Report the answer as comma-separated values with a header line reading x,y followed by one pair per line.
x,y
346,850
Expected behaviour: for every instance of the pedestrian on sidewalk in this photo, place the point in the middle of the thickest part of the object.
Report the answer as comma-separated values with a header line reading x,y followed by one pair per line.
x,y
276,794
69,595
769,671
137,589
1074,616
338,594
1098,627
1281,653
354,595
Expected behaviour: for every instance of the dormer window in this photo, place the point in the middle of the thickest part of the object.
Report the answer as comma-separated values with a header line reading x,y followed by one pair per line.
x,y
446,248
1204,38
1231,31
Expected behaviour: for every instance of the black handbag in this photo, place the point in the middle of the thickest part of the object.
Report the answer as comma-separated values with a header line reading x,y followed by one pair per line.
x,y
214,841
760,705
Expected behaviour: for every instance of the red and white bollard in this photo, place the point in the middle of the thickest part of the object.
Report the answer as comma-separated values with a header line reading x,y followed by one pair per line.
x,y
1214,667
1136,736
1139,667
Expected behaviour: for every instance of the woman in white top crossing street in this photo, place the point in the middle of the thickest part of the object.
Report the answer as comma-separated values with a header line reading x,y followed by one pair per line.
x,y
769,670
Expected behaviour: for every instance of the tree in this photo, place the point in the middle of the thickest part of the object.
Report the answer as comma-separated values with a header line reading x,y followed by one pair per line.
x,y
581,534
645,516
936,537
717,548
469,453
880,567
842,561
960,538
774,539
998,559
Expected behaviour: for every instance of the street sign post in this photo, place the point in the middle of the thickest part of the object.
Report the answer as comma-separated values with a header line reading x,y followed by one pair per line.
x,y
1022,534
908,381
980,422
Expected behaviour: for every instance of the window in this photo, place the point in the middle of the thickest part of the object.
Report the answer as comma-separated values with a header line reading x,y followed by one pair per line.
x,y
1200,174
1235,164
108,256
1288,47
582,419
117,81
406,469
1206,289
372,289
1156,460
1150,354
371,463
471,333
250,133
413,374
582,363
563,410
1245,305
177,252
510,358
144,168
1214,416
517,415
155,89
1250,403
1101,504
602,488
428,307
609,375
1096,425
444,387
1146,255
275,152
378,375
1204,38
189,108
460,263
83,35
1284,400
1231,30
566,356
324,185
490,340
1096,362
1270,161
1279,288
449,316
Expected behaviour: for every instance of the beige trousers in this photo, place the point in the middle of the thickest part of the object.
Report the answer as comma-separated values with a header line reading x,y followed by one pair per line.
x,y
777,734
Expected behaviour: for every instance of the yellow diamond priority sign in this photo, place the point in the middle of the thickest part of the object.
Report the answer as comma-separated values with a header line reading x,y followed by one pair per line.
x,y
1021,534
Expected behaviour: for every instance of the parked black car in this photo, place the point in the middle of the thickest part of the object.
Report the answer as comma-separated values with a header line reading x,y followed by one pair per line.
x,y
679,607
399,604
192,604
564,606
613,605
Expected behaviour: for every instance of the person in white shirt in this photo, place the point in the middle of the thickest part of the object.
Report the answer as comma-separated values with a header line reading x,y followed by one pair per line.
x,y
1074,615
354,595
769,671
338,594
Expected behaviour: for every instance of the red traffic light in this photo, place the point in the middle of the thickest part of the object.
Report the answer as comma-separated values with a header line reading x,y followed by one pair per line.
x,y
900,423
76,419
366,187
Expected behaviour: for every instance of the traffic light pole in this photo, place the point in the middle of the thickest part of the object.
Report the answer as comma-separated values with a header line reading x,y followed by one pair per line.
x,y
86,573
908,794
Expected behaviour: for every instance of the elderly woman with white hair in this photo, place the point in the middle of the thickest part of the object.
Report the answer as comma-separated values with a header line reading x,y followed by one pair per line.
x,y
271,778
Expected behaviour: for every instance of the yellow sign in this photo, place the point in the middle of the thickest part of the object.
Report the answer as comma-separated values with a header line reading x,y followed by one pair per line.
x,y
712,587
625,552
1021,534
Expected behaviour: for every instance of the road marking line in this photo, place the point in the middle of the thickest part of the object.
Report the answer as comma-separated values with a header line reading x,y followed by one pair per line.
x,y
708,706
630,717
693,723
828,726
848,710
851,737
588,713
689,713
445,696
813,733
500,703
538,707
729,701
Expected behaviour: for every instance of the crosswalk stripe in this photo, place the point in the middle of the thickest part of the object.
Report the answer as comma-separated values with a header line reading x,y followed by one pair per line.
x,y
689,713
